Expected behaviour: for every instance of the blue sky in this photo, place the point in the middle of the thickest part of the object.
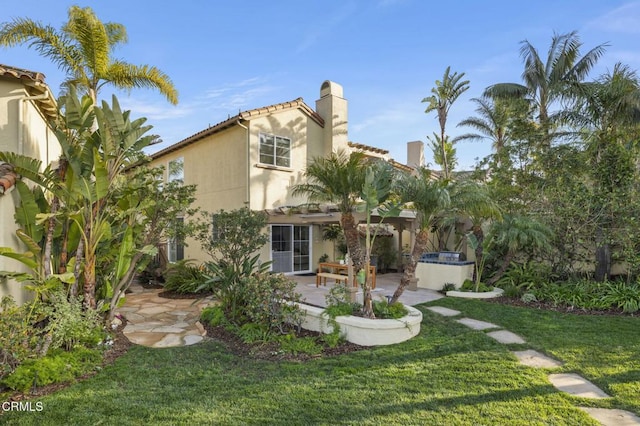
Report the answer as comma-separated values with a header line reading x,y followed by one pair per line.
x,y
224,57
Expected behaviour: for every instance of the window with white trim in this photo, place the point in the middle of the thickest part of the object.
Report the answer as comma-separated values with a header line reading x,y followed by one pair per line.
x,y
275,150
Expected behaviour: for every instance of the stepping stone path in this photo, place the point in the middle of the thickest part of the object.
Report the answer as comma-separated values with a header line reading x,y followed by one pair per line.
x,y
475,324
572,384
159,322
535,359
612,417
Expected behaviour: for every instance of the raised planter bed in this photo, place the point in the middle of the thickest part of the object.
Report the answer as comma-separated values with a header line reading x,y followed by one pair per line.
x,y
496,292
364,331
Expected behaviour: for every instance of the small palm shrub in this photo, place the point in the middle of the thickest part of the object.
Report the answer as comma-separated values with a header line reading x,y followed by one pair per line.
x,y
184,277
523,277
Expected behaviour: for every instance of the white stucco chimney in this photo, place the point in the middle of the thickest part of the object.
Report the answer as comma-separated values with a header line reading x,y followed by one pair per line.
x,y
332,107
415,154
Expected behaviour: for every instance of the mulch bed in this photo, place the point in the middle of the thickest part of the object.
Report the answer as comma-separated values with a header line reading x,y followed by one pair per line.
x,y
269,351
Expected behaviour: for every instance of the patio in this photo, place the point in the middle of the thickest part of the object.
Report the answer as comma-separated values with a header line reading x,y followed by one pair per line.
x,y
386,285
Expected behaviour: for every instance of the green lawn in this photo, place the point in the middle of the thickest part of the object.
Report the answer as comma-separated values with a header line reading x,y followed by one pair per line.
x,y
449,374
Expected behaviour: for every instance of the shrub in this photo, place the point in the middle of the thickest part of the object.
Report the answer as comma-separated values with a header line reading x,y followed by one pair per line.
x,y
585,294
469,285
184,277
623,296
18,340
448,287
57,367
270,301
252,333
69,325
292,344
213,315
338,302
525,276
231,241
383,310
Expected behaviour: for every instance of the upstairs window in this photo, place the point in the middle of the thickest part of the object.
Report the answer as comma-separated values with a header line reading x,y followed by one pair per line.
x,y
275,150
176,170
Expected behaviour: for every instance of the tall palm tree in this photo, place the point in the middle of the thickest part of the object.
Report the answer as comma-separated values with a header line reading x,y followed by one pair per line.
x,y
546,80
493,122
338,178
428,197
83,49
444,94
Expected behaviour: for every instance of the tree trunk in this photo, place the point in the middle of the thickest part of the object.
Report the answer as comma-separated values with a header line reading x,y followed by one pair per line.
x,y
479,250
51,226
503,268
603,257
352,236
409,273
77,270
89,287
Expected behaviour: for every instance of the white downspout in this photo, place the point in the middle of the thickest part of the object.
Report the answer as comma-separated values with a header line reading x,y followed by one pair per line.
x,y
21,114
248,162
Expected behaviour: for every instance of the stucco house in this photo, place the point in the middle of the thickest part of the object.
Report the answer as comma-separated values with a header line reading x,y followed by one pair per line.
x,y
26,107
255,157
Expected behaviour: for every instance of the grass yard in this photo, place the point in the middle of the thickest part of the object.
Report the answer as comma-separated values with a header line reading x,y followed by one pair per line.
x,y
449,374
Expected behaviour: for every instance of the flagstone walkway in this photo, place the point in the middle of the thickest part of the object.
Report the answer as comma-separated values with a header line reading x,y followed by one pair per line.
x,y
159,322
572,384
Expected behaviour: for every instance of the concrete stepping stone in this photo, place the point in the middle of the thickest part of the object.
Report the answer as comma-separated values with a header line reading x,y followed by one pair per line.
x,y
506,337
576,385
612,417
535,359
444,311
476,324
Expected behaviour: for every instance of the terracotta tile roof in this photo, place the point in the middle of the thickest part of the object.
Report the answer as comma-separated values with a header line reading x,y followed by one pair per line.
x,y
35,84
368,148
22,74
243,116
7,177
400,166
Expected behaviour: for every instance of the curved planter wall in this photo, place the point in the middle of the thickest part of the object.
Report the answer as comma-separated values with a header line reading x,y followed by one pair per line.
x,y
496,292
364,331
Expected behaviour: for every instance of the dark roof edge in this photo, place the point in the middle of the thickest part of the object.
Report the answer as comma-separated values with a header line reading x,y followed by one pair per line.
x,y
243,116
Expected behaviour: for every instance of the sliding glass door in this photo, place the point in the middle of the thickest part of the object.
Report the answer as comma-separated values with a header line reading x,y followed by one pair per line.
x,y
290,248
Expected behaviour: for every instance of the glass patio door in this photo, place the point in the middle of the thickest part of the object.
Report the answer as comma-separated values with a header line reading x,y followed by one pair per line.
x,y
290,248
